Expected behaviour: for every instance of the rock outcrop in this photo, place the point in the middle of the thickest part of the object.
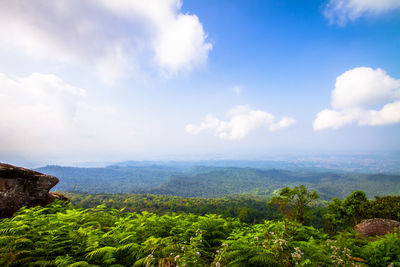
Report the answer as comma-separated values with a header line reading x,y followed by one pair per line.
x,y
23,187
376,227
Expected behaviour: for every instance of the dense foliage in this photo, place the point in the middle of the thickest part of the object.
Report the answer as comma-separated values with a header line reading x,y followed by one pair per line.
x,y
295,203
62,234
340,214
332,216
246,208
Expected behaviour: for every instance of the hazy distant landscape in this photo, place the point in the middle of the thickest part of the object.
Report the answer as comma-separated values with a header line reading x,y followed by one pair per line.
x,y
223,178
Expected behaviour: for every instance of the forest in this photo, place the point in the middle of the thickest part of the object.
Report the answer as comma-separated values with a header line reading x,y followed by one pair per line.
x,y
293,228
188,180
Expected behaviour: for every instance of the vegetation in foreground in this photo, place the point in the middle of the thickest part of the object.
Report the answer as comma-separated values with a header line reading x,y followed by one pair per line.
x,y
63,235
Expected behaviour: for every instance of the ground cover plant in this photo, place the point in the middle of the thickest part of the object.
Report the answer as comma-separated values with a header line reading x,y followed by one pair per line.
x,y
61,234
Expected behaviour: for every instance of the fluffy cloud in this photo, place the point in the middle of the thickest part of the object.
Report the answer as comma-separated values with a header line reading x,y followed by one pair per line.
x,y
42,115
35,108
110,36
242,121
340,11
361,87
356,92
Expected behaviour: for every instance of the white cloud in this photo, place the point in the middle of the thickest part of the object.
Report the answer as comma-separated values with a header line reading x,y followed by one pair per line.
x,y
112,37
34,109
182,44
356,92
335,118
362,86
341,11
389,114
42,115
242,121
283,123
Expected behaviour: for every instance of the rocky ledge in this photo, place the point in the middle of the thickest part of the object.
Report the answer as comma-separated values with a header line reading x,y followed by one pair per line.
x,y
23,187
376,227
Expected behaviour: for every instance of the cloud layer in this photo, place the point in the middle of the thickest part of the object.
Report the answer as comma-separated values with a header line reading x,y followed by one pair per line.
x,y
42,115
356,95
242,121
112,37
341,11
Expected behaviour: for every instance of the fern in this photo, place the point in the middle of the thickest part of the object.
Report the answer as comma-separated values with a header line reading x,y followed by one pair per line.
x,y
82,264
60,235
263,260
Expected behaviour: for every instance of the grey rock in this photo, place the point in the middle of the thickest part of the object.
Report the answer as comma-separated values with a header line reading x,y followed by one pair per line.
x,y
376,227
23,187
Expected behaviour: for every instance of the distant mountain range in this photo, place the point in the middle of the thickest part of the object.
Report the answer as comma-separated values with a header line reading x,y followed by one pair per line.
x,y
218,178
388,164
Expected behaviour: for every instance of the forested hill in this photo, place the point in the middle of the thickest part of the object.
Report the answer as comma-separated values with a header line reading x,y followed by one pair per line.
x,y
206,181
227,181
113,179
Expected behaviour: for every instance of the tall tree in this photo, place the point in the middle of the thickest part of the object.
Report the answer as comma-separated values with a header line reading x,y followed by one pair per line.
x,y
295,203
335,214
355,206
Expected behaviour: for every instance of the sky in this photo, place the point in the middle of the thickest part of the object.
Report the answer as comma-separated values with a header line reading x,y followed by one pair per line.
x,y
114,80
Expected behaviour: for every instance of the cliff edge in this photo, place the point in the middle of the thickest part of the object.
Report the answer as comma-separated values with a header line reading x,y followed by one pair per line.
x,y
23,187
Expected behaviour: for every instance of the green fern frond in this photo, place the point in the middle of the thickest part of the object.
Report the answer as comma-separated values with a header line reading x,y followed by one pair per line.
x,y
100,252
263,260
44,263
128,247
82,264
128,238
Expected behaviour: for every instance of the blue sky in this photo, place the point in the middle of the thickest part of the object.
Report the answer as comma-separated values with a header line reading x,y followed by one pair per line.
x,y
118,80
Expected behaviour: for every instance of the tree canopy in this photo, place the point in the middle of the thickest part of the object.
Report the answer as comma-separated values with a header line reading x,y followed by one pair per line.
x,y
295,203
